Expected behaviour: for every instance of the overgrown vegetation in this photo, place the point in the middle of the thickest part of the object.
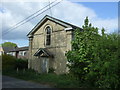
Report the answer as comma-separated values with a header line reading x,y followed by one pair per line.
x,y
17,68
8,62
93,61
21,64
95,58
11,63
59,81
51,70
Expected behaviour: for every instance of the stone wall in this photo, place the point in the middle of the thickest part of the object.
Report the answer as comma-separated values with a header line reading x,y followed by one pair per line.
x,y
60,43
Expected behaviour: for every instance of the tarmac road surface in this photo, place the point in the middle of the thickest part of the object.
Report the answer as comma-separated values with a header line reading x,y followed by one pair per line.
x,y
10,82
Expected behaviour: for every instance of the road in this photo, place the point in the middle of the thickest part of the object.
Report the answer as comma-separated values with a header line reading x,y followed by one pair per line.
x,y
10,82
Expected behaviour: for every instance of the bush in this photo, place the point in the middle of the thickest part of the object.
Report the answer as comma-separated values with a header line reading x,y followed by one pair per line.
x,y
21,64
8,62
51,70
95,58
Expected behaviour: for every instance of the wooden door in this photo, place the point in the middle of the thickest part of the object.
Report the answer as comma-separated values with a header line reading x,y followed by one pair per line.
x,y
45,65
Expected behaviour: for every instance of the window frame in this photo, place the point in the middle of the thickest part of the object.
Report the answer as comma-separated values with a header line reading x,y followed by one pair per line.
x,y
48,35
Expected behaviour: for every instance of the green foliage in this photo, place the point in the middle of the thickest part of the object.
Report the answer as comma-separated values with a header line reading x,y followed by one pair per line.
x,y
8,62
9,44
51,70
21,64
108,62
94,58
59,81
81,55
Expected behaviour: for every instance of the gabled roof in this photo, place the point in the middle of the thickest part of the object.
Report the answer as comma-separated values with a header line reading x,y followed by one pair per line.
x,y
43,52
63,23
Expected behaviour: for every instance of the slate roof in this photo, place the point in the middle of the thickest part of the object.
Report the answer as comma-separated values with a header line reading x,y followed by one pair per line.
x,y
47,17
8,49
43,52
20,49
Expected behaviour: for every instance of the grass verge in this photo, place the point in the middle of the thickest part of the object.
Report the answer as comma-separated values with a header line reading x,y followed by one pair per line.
x,y
58,81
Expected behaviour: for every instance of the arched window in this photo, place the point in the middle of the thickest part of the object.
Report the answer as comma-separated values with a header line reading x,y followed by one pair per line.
x,y
48,35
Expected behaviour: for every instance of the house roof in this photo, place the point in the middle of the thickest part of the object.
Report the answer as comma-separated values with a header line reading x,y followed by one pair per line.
x,y
43,52
20,49
8,49
63,23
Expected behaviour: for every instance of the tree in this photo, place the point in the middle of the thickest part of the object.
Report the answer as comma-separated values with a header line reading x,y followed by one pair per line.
x,y
108,63
94,58
82,54
9,44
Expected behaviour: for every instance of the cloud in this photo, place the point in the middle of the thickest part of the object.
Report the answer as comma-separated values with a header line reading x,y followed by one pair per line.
x,y
110,25
73,12
76,13
13,12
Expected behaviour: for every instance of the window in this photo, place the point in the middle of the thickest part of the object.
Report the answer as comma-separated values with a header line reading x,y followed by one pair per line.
x,y
48,35
20,53
24,53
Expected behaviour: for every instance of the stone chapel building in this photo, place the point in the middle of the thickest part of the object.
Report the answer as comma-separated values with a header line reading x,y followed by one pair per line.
x,y
49,40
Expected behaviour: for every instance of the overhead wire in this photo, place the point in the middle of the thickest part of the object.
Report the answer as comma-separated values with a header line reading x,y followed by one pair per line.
x,y
27,19
50,8
29,16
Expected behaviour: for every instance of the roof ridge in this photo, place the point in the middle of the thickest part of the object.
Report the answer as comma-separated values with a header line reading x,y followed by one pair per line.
x,y
62,21
65,24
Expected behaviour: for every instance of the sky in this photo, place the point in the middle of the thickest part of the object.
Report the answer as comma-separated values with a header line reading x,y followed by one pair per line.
x,y
101,14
